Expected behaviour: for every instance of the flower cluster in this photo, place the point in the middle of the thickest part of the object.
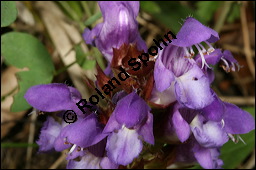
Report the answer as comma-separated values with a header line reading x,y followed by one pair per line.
x,y
166,106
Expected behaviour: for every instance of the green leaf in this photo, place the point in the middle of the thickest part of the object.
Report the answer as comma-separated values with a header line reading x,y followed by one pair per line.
x,y
171,13
89,64
75,5
92,19
80,55
25,51
233,154
8,12
206,9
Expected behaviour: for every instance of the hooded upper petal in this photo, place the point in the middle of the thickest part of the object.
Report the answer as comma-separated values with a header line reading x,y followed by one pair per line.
x,y
236,120
193,32
119,27
131,110
53,97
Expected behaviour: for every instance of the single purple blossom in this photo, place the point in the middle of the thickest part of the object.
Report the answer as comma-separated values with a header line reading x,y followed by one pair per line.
x,y
119,27
187,81
130,124
83,133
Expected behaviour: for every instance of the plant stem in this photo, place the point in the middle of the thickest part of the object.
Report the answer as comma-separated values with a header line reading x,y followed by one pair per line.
x,y
63,69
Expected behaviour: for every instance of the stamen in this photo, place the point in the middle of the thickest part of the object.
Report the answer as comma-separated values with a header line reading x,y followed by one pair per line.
x,y
232,137
238,66
33,111
227,69
78,149
202,57
210,49
66,143
191,51
186,52
239,138
203,49
72,148
233,67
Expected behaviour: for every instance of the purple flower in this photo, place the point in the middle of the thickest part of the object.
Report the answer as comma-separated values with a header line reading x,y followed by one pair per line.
x,y
193,33
82,133
119,27
191,152
83,136
186,80
207,157
49,132
54,97
230,63
89,161
208,133
130,124
211,125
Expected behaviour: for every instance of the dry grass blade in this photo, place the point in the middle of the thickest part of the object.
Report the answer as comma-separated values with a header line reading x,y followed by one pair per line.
x,y
246,39
54,21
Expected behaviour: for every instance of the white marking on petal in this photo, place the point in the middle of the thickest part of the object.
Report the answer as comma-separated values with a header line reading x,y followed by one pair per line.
x,y
222,123
123,18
